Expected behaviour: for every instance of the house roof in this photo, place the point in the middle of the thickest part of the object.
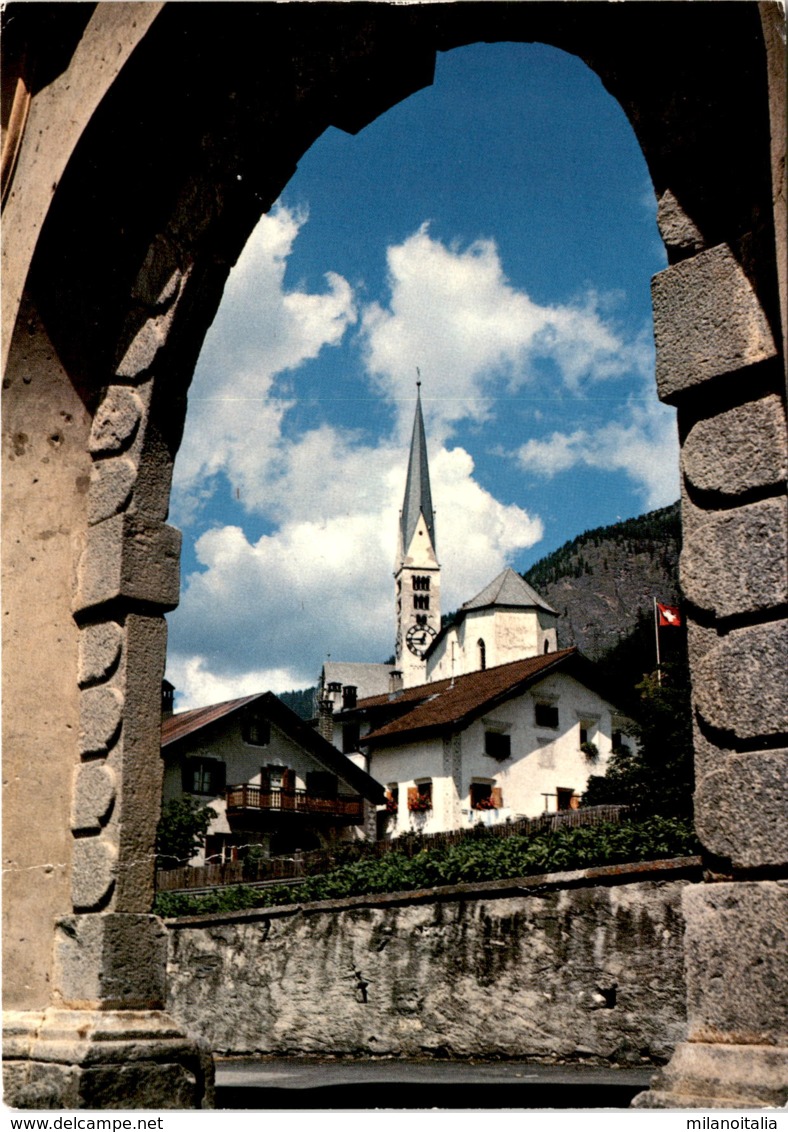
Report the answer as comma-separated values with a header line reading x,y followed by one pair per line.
x,y
369,679
432,708
186,724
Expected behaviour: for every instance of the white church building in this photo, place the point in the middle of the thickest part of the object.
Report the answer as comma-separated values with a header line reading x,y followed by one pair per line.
x,y
483,719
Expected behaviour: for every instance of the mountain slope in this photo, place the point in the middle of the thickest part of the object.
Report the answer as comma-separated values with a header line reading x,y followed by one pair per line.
x,y
605,580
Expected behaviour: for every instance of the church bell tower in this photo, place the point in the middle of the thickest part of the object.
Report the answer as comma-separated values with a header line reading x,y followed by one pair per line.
x,y
417,572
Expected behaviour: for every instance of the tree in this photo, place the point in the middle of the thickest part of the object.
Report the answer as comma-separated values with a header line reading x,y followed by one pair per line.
x,y
181,831
658,776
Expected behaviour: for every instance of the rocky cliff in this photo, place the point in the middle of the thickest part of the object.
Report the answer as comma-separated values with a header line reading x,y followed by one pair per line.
x,y
605,580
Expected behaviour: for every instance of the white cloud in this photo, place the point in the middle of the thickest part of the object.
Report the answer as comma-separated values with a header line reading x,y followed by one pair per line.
x,y
261,330
267,613
644,446
453,313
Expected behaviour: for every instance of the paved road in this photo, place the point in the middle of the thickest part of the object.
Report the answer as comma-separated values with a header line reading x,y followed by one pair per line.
x,y
301,1083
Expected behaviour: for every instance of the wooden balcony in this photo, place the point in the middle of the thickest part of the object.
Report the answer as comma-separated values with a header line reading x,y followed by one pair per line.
x,y
247,797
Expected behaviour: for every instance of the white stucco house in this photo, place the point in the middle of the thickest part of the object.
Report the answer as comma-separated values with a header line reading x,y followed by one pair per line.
x,y
270,778
511,741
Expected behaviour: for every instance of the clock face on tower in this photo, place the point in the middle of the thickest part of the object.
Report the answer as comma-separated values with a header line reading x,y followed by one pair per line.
x,y
418,639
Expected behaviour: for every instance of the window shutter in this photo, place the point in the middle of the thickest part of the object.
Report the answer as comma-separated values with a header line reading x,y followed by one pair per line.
x,y
220,777
497,797
413,796
187,772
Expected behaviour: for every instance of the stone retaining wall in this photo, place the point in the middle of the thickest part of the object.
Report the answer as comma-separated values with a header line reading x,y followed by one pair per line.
x,y
575,965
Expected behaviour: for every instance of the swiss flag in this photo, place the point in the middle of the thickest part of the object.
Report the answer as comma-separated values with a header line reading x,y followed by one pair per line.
x,y
668,614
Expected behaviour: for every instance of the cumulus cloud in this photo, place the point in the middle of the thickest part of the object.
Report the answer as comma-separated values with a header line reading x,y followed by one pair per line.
x,y
266,613
261,330
644,445
453,313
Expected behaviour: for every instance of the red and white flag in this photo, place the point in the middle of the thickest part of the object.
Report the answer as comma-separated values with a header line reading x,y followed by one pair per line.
x,y
668,615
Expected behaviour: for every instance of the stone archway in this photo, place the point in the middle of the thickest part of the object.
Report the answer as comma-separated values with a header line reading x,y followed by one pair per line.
x,y
129,201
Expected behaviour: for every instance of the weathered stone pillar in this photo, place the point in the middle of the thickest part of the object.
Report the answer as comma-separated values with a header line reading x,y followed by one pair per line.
x,y
100,1037
717,360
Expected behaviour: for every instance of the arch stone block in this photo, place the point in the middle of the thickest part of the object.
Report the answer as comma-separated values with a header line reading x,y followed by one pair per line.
x,y
100,717
100,647
129,557
741,808
741,684
94,793
739,449
93,871
735,561
707,321
737,980
111,962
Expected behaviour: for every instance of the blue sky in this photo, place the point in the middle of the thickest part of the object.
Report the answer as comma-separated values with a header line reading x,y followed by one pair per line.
x,y
496,230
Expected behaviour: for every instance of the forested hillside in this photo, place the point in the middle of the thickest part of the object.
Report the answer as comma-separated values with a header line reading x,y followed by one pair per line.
x,y
302,703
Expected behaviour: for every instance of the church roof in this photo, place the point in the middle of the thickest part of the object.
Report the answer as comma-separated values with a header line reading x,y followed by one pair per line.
x,y
507,589
418,498
454,704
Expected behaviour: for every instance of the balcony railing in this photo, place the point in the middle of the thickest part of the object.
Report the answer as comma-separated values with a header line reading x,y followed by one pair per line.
x,y
247,797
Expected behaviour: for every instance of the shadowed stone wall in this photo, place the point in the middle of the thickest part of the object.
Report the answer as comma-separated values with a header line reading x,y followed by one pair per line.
x,y
574,966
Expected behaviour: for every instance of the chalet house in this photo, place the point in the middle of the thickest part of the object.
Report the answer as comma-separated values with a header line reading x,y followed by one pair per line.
x,y
510,741
271,779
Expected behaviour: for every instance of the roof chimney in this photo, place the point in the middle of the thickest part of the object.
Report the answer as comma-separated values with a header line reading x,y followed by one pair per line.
x,y
325,720
167,699
349,696
395,680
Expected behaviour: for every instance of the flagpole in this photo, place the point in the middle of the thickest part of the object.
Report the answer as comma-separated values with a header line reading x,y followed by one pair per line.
x,y
656,637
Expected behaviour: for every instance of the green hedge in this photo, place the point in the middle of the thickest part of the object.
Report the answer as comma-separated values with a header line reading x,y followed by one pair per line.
x,y
476,859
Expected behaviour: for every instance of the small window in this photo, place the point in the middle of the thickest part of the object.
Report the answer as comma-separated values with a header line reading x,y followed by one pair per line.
x,y
220,849
256,731
421,582
485,796
546,645
203,776
583,734
497,746
482,650
420,797
421,601
351,733
546,715
275,777
565,795
481,796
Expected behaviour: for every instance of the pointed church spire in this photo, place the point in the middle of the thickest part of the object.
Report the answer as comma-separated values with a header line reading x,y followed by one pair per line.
x,y
418,498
